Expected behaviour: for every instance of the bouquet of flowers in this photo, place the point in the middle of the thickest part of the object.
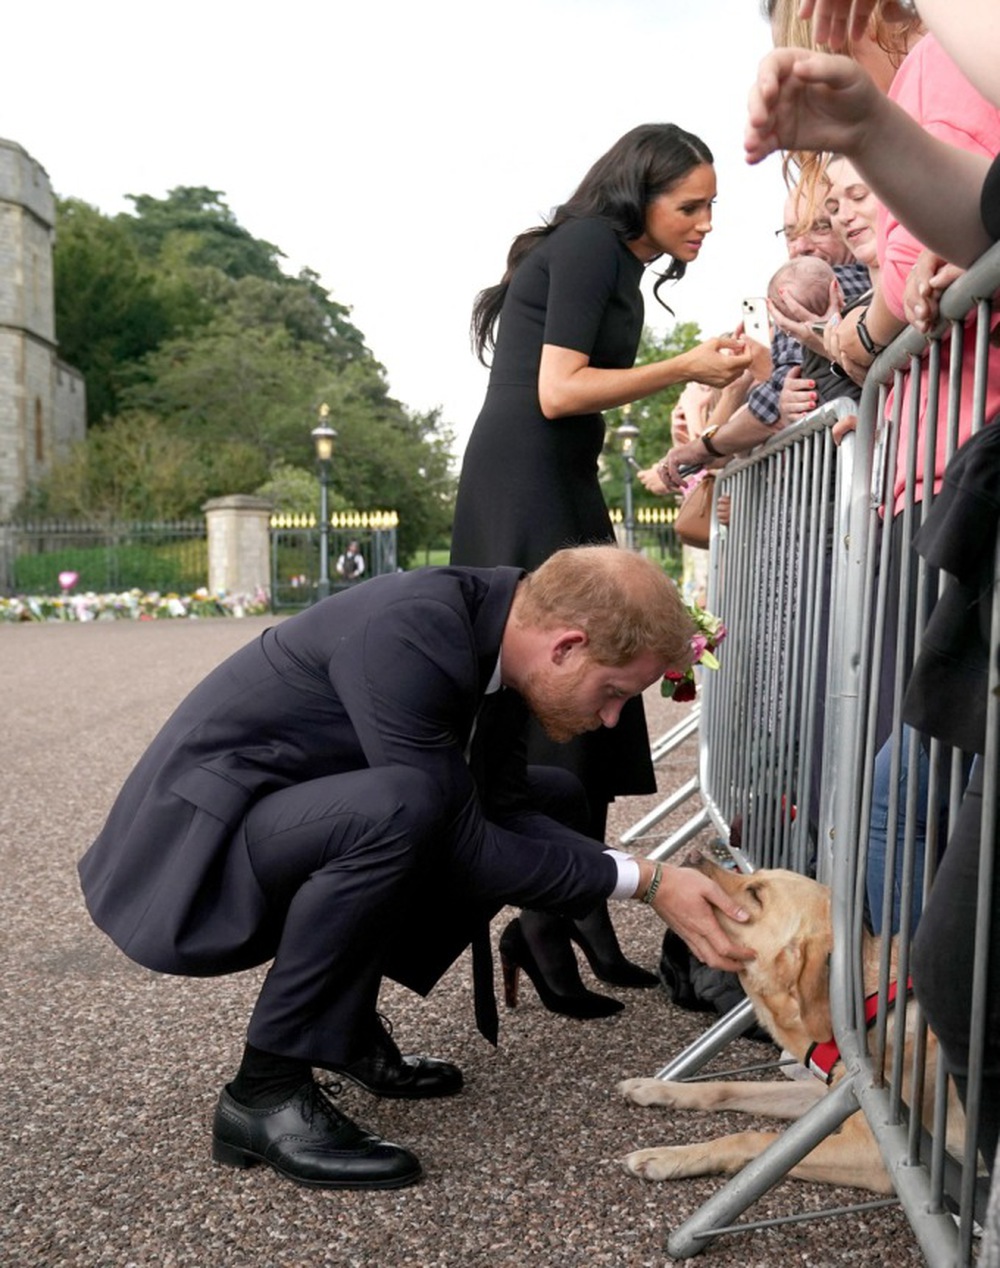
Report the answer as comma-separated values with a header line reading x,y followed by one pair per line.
x,y
710,631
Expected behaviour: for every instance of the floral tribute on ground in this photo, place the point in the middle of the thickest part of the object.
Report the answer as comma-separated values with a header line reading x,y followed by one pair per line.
x,y
681,685
131,605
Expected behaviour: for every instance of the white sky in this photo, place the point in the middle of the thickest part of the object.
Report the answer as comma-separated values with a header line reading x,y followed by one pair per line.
x,y
396,147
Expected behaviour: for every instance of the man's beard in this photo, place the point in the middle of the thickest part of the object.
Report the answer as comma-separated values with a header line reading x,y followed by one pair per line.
x,y
559,716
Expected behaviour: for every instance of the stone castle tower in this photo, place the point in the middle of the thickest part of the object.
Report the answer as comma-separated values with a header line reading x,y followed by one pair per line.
x,y
42,400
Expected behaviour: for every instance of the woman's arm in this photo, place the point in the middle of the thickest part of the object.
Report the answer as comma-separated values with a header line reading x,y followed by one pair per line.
x,y
568,384
814,101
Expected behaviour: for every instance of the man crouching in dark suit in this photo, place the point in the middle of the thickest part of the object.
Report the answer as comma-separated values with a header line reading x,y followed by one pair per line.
x,y
348,798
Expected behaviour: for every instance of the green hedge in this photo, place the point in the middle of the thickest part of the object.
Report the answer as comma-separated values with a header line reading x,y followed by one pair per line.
x,y
176,567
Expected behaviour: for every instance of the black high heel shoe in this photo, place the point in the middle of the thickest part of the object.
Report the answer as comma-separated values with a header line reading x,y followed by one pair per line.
x,y
516,954
609,963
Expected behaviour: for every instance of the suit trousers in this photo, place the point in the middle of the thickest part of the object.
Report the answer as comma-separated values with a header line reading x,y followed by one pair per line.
x,y
334,855
342,860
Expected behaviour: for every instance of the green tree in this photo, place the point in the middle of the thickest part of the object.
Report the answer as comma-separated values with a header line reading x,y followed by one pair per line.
x,y
295,491
210,234
651,416
229,384
135,468
209,362
109,307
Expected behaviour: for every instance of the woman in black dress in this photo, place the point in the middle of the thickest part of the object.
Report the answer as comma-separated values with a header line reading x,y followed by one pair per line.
x,y
564,325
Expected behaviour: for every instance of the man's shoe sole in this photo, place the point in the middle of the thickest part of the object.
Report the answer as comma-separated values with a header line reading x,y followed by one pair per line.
x,y
233,1156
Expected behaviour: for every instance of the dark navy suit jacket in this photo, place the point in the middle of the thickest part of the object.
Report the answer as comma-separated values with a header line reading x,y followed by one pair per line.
x,y
390,672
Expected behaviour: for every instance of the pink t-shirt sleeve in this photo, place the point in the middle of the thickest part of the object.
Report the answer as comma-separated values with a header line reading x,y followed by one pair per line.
x,y
932,90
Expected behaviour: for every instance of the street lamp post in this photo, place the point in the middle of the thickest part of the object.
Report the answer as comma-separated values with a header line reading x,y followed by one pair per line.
x,y
323,438
627,435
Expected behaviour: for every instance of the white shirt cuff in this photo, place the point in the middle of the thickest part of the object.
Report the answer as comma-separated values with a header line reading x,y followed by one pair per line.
x,y
628,874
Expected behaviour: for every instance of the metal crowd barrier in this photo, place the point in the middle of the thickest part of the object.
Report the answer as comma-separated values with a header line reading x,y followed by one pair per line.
x,y
769,580
761,728
644,828
769,588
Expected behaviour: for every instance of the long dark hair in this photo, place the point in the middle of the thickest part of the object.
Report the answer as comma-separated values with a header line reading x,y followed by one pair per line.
x,y
640,166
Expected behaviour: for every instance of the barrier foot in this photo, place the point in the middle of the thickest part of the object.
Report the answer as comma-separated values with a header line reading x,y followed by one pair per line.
x,y
696,1055
717,1214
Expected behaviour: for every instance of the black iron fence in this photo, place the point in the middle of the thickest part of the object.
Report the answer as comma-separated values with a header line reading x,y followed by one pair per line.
x,y
53,557
48,557
652,531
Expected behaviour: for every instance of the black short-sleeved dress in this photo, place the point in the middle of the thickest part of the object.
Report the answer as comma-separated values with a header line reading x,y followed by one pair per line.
x,y
529,484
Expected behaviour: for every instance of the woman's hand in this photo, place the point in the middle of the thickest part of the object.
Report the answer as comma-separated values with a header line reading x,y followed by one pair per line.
x,y
843,345
796,320
929,278
650,479
761,364
717,362
797,397
842,426
808,101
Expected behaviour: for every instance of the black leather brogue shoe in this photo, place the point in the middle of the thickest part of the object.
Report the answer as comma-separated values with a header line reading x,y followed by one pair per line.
x,y
308,1140
384,1071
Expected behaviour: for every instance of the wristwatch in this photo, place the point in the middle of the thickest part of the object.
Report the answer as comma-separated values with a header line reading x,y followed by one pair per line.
x,y
706,440
867,342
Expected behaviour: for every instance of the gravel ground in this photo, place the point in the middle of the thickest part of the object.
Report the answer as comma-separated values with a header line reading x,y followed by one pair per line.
x,y
111,1072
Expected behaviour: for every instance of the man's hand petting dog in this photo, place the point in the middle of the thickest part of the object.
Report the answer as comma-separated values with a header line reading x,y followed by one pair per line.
x,y
704,915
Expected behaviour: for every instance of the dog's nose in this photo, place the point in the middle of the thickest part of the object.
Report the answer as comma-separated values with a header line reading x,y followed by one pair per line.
x,y
695,859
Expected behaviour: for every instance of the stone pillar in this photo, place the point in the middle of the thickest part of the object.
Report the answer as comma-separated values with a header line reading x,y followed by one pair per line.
x,y
239,544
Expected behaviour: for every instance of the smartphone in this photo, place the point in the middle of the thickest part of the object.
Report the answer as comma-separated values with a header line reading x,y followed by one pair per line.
x,y
756,322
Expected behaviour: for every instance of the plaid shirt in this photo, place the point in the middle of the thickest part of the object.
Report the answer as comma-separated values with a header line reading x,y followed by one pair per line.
x,y
787,352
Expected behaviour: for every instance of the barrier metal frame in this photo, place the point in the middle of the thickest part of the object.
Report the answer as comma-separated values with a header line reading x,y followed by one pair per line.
x,y
913,1151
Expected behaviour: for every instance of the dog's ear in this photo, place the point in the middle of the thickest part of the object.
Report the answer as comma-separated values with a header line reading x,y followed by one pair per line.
x,y
803,998
813,988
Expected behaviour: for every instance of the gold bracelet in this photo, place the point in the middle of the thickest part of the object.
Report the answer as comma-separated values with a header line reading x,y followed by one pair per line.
x,y
653,885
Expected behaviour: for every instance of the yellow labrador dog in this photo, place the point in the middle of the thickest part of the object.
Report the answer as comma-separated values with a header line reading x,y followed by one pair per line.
x,y
790,930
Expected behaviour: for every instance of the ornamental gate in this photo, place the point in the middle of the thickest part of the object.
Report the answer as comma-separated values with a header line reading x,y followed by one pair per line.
x,y
296,554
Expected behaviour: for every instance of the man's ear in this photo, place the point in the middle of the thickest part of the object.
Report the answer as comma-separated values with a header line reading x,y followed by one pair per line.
x,y
566,643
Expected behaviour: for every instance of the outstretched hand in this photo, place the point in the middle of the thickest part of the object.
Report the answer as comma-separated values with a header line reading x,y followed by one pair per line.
x,y
808,101
651,480
690,903
718,361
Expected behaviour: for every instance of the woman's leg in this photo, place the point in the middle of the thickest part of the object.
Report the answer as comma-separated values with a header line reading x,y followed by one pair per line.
x,y
942,961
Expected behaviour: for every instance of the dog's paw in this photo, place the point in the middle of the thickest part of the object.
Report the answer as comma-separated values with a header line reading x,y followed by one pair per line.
x,y
653,1164
646,1091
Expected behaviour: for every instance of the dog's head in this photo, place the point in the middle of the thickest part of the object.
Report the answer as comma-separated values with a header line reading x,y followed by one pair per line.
x,y
789,928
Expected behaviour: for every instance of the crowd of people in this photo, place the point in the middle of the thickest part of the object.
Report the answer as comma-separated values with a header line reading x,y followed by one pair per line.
x,y
359,793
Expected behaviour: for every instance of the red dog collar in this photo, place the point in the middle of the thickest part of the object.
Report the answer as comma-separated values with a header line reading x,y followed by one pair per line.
x,y
821,1058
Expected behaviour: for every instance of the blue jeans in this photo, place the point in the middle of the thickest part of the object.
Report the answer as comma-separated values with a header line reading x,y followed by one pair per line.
x,y
878,833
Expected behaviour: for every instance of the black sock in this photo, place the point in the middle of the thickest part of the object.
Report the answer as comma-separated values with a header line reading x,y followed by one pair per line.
x,y
264,1079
